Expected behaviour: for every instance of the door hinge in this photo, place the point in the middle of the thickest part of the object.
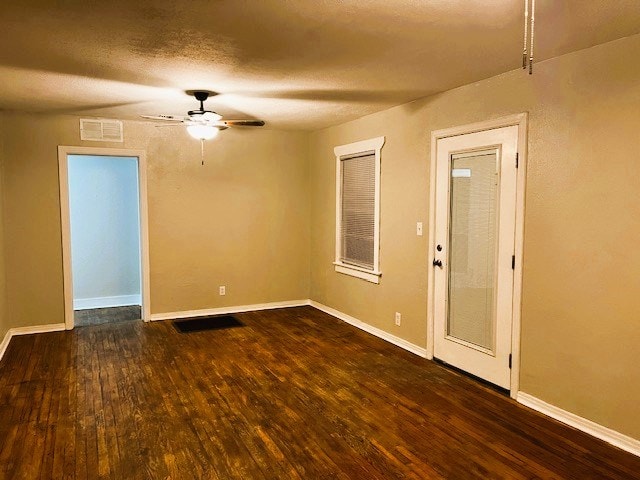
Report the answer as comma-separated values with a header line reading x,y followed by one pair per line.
x,y
517,159
510,358
513,262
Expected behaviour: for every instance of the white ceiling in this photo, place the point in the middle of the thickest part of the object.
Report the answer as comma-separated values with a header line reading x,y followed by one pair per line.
x,y
301,64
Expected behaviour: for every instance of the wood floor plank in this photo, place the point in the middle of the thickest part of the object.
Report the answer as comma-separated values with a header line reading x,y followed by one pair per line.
x,y
295,393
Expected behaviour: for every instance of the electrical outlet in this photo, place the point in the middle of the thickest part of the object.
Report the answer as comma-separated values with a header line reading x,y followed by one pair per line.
x,y
398,318
419,229
223,290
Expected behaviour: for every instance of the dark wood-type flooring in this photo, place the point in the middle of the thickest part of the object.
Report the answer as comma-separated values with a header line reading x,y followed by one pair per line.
x,y
293,394
97,316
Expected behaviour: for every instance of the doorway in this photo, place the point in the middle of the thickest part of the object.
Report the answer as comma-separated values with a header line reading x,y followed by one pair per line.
x,y
105,239
476,244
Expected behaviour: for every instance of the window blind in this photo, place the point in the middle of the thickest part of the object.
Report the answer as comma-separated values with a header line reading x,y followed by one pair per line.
x,y
358,210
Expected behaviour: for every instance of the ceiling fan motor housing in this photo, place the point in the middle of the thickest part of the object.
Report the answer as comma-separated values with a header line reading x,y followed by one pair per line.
x,y
201,96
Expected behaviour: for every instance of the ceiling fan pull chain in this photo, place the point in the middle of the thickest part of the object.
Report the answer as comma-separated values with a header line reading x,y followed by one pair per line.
x,y
202,150
533,22
526,33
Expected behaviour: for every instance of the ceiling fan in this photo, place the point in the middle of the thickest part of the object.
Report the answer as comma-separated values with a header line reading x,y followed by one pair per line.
x,y
203,124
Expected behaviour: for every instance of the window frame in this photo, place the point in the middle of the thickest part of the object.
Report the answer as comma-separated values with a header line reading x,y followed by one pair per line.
x,y
349,150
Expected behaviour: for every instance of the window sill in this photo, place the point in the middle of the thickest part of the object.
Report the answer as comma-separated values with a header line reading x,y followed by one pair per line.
x,y
368,275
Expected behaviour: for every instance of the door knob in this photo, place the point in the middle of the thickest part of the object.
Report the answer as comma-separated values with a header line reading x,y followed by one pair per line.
x,y
437,263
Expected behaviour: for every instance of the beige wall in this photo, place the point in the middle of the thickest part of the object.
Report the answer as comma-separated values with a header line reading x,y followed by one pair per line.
x,y
581,308
241,220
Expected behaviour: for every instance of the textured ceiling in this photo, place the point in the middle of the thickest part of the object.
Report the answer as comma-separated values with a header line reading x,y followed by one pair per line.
x,y
301,64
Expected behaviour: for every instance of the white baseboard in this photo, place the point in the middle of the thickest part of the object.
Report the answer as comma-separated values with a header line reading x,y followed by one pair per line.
x,y
12,332
106,302
399,342
618,439
227,310
5,343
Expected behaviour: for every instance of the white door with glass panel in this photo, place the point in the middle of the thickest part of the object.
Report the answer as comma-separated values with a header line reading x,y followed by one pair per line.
x,y
474,246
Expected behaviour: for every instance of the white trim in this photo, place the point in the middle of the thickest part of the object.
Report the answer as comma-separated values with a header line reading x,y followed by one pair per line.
x,y
369,276
63,153
13,332
375,145
65,221
507,121
397,341
145,268
431,246
226,310
105,302
359,147
613,437
5,343
521,120
523,148
360,269
53,327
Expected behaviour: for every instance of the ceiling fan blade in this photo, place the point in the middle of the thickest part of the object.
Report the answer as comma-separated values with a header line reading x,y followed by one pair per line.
x,y
243,123
218,125
170,118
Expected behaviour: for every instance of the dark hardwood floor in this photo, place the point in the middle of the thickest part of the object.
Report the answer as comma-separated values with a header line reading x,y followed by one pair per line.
x,y
293,394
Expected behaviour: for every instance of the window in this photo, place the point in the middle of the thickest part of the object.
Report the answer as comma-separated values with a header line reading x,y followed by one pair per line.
x,y
358,209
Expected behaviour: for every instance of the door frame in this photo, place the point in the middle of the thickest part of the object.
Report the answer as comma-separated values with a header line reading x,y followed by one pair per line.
x,y
63,172
521,121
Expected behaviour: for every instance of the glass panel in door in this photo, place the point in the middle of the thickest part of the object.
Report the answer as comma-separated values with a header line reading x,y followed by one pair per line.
x,y
472,248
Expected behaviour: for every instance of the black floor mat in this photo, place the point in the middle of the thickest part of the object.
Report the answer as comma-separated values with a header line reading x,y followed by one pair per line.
x,y
206,323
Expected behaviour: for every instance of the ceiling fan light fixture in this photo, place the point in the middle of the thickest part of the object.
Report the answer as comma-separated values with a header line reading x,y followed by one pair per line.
x,y
202,132
211,116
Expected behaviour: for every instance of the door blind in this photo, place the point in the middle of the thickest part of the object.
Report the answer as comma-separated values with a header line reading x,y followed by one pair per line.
x,y
358,210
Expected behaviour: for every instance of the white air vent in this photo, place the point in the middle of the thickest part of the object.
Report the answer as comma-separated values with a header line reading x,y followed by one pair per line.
x,y
101,130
